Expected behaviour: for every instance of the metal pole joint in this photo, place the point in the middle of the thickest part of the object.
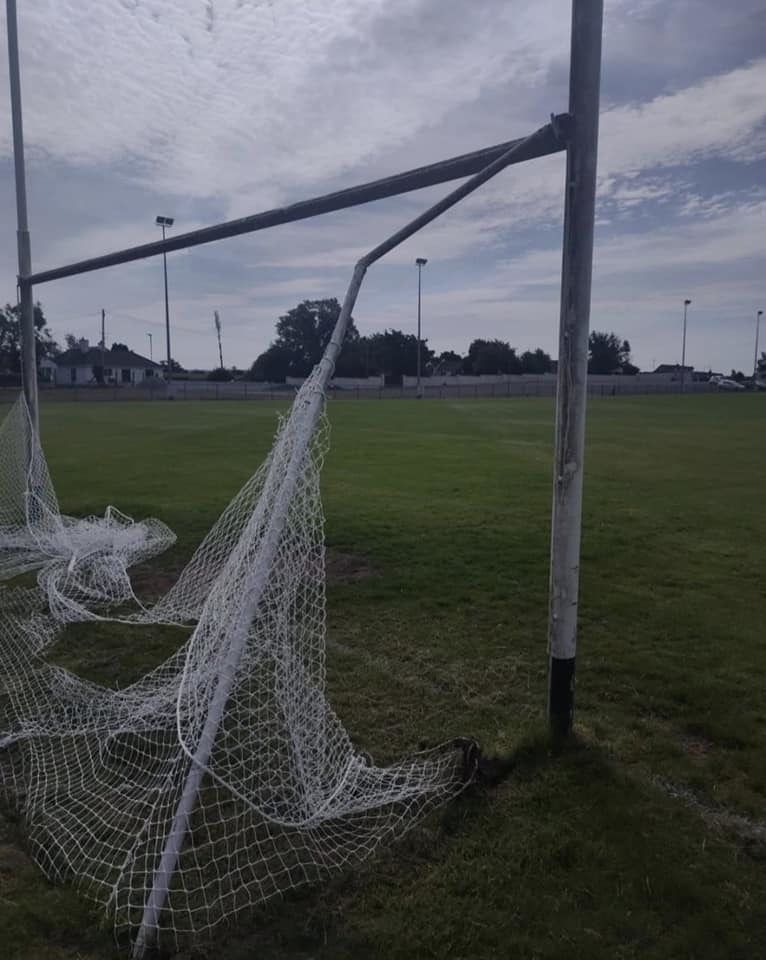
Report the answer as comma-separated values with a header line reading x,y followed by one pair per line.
x,y
562,125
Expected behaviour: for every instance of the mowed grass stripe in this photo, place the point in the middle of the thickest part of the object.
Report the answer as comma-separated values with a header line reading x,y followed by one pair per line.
x,y
447,504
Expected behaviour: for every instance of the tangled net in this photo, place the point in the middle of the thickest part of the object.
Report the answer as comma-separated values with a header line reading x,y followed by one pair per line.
x,y
82,564
223,777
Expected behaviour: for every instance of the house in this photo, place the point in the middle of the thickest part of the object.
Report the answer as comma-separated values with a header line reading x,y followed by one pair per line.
x,y
46,370
673,370
81,366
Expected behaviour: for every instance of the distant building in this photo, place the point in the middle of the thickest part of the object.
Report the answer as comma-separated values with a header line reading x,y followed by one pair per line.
x,y
46,370
674,369
668,373
77,367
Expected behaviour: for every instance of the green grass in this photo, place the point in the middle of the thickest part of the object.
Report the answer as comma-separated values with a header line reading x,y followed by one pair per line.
x,y
446,505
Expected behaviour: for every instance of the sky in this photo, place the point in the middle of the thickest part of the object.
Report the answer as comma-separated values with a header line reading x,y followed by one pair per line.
x,y
205,110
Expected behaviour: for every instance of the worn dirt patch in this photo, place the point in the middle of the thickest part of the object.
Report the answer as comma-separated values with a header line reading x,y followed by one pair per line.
x,y
696,747
751,833
345,567
150,583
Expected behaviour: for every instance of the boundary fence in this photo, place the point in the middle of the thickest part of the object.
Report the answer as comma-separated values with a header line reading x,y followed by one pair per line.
x,y
247,390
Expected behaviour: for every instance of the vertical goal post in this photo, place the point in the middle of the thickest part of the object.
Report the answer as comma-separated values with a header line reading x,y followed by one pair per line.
x,y
572,370
576,132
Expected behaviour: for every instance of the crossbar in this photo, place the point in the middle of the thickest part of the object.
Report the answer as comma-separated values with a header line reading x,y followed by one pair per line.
x,y
548,140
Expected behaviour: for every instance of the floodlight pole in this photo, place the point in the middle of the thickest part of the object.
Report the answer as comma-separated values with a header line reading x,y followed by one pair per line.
x,y
683,347
421,262
166,222
26,302
572,385
755,358
167,318
103,347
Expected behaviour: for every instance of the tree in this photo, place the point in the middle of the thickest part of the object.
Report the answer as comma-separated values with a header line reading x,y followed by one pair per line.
x,y
220,374
302,335
448,363
272,366
491,357
175,366
120,348
538,362
354,359
449,356
305,331
71,341
626,366
10,337
608,354
395,354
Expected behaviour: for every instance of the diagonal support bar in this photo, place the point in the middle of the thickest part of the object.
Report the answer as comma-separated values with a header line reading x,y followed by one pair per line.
x,y
540,144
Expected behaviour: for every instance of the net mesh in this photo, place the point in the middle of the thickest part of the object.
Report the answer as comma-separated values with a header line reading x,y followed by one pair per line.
x,y
224,776
82,564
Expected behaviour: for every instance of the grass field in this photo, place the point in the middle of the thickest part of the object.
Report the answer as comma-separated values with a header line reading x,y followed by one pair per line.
x,y
646,839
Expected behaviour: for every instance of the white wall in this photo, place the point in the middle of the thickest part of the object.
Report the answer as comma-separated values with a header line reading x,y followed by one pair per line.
x,y
84,376
482,380
346,383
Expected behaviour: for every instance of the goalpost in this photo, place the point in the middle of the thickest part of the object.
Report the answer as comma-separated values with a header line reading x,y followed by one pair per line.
x,y
577,133
262,539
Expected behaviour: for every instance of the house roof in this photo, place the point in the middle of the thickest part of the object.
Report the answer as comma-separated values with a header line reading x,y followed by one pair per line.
x,y
671,368
112,358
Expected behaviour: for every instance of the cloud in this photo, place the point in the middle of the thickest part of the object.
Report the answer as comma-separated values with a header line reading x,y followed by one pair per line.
x,y
721,115
208,99
639,279
216,109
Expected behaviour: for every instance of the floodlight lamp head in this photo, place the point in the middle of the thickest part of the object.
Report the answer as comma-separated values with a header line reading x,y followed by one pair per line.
x,y
164,221
421,261
760,313
687,302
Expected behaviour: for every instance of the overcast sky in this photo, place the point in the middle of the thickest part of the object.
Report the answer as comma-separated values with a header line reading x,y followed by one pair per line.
x,y
209,110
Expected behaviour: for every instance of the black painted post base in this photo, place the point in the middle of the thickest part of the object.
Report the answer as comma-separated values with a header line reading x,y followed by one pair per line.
x,y
561,698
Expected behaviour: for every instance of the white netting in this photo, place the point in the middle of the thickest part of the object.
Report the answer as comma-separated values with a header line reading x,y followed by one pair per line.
x,y
82,564
224,776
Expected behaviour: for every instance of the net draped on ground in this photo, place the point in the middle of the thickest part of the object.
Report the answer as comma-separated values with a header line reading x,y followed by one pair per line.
x,y
81,564
99,774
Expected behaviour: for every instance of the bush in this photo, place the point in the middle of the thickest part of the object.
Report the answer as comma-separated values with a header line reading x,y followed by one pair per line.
x,y
220,374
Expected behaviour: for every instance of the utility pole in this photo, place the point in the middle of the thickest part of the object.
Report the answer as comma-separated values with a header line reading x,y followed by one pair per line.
x,y
755,358
26,302
151,351
421,262
683,347
572,376
103,346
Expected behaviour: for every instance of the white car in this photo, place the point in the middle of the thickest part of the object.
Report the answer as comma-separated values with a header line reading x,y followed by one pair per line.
x,y
725,384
